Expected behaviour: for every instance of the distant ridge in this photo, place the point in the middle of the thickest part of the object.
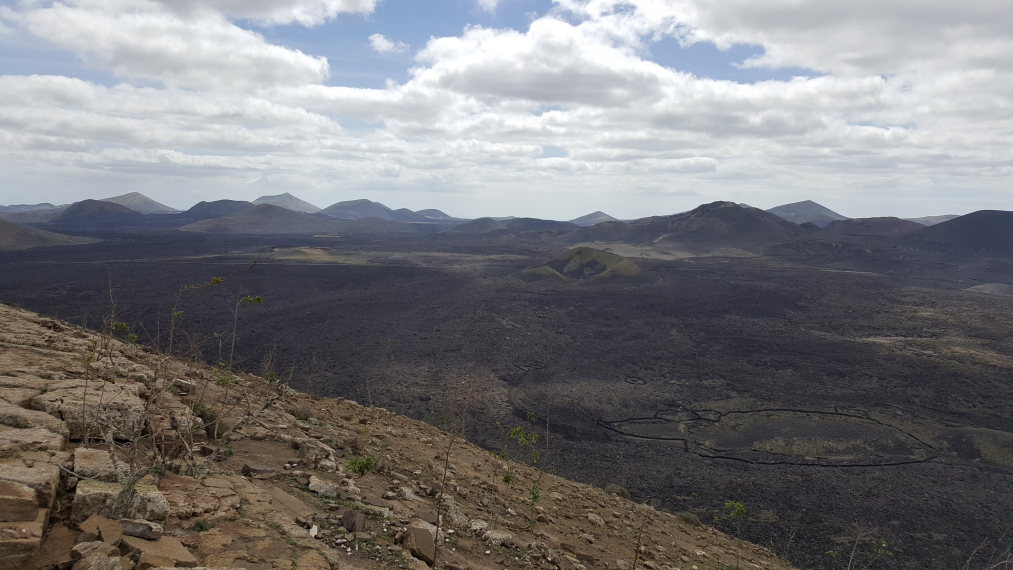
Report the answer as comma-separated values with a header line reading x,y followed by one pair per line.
x,y
140,203
264,219
287,201
15,236
987,232
705,228
933,220
362,208
216,209
593,218
885,226
358,209
512,225
95,215
267,219
806,211
26,207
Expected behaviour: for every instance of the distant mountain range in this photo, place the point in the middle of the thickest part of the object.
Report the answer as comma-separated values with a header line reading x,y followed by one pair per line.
x,y
720,227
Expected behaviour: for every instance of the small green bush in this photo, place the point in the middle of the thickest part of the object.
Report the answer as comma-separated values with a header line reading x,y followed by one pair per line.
x,y
361,465
617,490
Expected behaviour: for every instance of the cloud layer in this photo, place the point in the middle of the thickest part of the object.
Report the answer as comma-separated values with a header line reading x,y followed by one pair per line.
x,y
907,108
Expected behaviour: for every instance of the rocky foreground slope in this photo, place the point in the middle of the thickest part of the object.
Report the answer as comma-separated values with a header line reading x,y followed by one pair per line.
x,y
114,458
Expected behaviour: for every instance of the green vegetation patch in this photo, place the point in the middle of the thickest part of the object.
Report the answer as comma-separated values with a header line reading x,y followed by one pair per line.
x,y
814,447
583,263
995,447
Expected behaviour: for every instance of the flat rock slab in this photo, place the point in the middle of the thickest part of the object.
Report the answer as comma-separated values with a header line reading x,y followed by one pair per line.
x,y
95,408
99,498
14,441
20,540
110,531
95,464
167,547
100,562
44,478
17,502
16,416
19,396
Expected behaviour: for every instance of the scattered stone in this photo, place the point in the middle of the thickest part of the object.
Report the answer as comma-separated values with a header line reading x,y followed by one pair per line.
x,y
478,525
166,546
100,562
98,527
382,512
406,494
17,502
148,560
141,528
420,540
498,537
353,521
86,549
323,488
595,519
258,471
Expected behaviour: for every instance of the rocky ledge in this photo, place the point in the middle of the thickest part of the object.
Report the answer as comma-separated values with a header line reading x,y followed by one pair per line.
x,y
115,458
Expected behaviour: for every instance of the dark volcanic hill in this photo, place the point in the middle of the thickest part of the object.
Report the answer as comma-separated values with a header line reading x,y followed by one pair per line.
x,y
988,232
95,215
708,227
140,203
436,215
15,236
885,226
512,225
216,209
593,218
289,202
806,211
358,209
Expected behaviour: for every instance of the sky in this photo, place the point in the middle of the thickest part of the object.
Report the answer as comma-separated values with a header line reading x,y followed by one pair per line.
x,y
542,108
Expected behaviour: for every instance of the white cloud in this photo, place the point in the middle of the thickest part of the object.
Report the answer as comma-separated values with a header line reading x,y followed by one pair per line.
x,y
488,5
304,12
143,40
381,44
899,105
